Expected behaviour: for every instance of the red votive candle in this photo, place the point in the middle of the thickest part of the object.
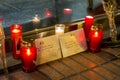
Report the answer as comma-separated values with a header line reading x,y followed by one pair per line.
x,y
16,34
89,20
95,39
67,11
28,57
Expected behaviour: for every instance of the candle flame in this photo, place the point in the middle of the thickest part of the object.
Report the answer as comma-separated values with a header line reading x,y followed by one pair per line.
x,y
96,34
28,52
16,31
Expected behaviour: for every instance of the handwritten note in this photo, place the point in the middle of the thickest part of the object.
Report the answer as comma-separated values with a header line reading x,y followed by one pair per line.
x,y
73,42
48,49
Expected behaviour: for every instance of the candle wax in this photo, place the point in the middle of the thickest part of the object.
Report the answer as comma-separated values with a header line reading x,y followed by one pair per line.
x,y
59,31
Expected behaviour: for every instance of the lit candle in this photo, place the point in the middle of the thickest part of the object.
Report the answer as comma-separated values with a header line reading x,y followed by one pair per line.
x,y
59,29
89,20
16,34
67,11
28,57
48,14
95,38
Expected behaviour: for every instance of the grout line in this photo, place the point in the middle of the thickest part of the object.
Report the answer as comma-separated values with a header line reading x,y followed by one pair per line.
x,y
87,68
43,74
110,70
84,64
115,64
55,70
67,66
92,60
29,77
84,77
100,75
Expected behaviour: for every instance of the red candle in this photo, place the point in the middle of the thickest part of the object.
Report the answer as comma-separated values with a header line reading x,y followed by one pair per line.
x,y
28,57
89,20
95,39
67,11
16,34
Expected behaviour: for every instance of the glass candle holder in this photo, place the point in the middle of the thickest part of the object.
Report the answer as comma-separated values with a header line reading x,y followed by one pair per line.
x,y
95,39
28,57
89,20
16,34
59,29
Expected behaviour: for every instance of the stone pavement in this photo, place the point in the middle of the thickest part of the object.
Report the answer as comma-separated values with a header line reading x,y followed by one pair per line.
x,y
104,65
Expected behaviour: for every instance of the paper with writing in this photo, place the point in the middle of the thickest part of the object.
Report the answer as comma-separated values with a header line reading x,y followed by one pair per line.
x,y
73,42
48,49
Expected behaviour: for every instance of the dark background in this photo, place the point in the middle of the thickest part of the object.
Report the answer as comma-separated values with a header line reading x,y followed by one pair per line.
x,y
23,11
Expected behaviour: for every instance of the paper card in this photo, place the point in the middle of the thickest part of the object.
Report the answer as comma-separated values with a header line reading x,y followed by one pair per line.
x,y
48,49
73,42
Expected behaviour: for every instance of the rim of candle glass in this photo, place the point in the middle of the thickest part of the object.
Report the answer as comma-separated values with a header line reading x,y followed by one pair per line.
x,y
68,9
59,26
17,26
91,17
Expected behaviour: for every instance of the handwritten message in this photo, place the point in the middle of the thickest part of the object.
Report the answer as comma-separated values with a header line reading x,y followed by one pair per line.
x,y
73,42
48,49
